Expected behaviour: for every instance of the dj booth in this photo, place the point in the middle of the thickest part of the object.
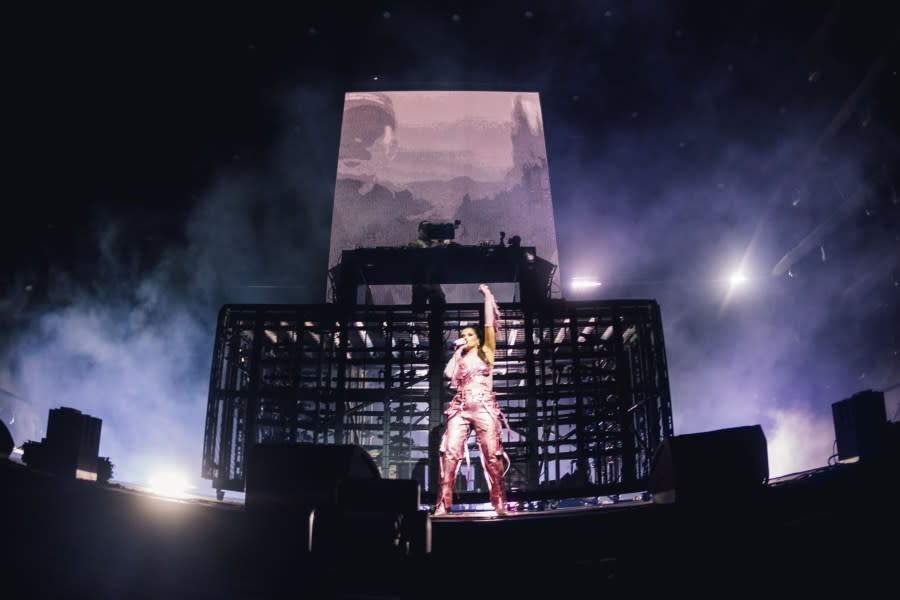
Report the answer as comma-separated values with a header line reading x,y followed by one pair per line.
x,y
453,263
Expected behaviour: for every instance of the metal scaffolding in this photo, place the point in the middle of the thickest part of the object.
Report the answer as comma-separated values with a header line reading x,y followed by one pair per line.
x,y
584,386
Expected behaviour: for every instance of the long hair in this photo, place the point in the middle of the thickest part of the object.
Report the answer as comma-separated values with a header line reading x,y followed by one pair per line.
x,y
479,332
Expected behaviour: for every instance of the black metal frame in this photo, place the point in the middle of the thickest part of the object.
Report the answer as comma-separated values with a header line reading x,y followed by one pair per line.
x,y
584,386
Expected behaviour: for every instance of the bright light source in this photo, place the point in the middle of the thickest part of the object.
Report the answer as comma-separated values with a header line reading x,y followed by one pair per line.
x,y
170,484
85,475
583,283
737,278
736,283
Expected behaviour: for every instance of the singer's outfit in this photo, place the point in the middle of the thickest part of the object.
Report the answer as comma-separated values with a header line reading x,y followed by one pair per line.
x,y
473,407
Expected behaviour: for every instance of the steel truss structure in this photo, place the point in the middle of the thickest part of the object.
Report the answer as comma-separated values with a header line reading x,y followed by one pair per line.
x,y
584,387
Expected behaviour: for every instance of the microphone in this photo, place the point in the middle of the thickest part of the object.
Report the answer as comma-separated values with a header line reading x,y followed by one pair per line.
x,y
459,343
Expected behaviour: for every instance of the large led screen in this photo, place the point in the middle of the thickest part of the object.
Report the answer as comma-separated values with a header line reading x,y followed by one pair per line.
x,y
474,157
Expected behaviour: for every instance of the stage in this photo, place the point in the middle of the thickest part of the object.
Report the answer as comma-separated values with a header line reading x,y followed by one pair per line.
x,y
818,531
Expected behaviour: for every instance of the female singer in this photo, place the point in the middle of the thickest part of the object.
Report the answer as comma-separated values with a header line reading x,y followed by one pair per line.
x,y
474,406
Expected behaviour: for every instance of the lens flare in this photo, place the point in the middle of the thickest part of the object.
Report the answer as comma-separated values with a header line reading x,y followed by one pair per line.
x,y
170,484
584,283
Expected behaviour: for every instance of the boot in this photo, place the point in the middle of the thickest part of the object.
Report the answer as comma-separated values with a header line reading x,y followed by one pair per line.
x,y
445,495
498,493
498,498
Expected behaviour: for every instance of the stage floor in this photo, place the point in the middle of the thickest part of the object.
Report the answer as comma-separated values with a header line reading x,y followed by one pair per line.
x,y
830,529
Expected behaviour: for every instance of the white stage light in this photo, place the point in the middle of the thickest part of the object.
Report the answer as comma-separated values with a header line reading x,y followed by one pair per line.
x,y
170,484
737,279
583,283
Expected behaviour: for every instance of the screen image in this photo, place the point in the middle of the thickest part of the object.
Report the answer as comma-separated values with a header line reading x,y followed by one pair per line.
x,y
478,158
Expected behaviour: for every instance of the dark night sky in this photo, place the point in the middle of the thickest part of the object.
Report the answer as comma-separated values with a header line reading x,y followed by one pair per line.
x,y
165,163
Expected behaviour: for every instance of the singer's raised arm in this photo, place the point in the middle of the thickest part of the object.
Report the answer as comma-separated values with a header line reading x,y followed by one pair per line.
x,y
491,316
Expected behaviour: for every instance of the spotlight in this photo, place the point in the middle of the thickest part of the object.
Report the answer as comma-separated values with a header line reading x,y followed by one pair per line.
x,y
737,279
583,283
169,484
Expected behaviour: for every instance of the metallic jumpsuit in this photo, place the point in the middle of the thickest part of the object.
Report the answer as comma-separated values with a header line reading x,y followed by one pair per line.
x,y
473,407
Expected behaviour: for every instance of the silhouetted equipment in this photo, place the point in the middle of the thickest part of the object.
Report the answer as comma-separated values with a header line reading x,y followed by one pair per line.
x,y
71,446
861,427
6,441
711,465
352,512
104,469
372,520
302,476
440,231
445,264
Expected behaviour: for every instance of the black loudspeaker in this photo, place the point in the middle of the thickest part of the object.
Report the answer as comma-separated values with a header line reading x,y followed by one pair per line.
x,y
860,427
705,466
302,476
371,520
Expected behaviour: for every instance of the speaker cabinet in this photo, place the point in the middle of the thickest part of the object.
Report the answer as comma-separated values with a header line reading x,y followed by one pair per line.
x,y
371,520
302,475
692,467
860,427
